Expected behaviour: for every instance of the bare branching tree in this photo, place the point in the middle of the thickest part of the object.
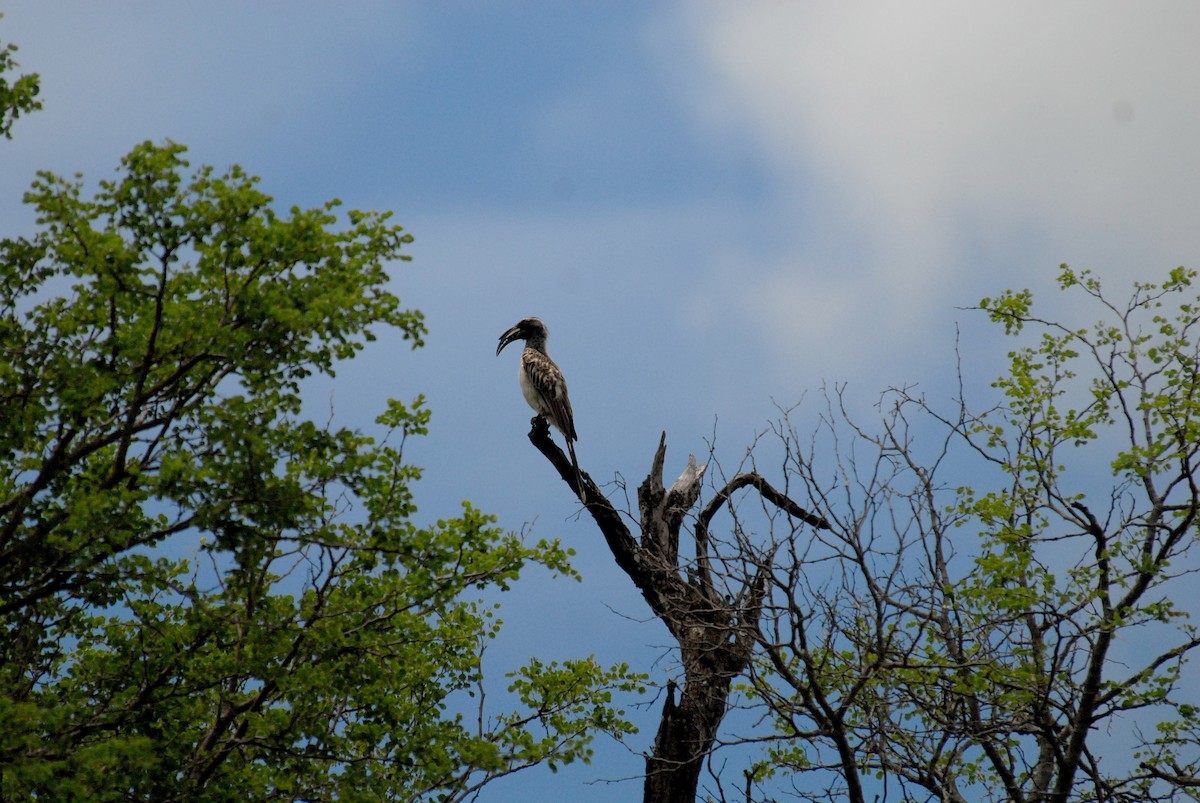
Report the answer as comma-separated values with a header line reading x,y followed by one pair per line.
x,y
715,629
1000,609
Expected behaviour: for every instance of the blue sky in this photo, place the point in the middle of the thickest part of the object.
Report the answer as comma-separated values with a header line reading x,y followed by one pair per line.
x,y
716,207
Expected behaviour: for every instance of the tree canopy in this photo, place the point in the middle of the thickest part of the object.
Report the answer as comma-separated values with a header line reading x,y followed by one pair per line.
x,y
204,595
1022,635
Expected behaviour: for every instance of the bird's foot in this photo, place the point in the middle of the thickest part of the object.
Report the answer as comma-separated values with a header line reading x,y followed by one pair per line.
x,y
539,424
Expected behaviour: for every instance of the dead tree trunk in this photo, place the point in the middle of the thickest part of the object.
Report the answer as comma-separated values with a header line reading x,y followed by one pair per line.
x,y
715,633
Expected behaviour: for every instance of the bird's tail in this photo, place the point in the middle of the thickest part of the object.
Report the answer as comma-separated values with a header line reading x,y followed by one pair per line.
x,y
578,473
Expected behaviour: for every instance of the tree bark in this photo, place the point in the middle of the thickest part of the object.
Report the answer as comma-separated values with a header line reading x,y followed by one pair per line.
x,y
715,634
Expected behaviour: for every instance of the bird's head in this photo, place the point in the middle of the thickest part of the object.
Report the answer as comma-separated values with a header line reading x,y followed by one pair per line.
x,y
531,330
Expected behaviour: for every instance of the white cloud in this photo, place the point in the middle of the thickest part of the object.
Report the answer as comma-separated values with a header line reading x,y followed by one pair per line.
x,y
922,143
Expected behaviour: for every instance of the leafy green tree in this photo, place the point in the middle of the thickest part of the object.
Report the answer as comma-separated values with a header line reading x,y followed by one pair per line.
x,y
203,594
1002,606
18,96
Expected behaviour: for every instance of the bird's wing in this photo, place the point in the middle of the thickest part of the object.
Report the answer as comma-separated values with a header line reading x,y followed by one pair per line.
x,y
548,380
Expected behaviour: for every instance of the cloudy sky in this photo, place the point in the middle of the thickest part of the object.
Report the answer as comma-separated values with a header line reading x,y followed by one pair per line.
x,y
716,207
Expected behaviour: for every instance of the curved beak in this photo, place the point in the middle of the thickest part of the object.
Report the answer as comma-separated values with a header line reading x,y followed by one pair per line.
x,y
508,337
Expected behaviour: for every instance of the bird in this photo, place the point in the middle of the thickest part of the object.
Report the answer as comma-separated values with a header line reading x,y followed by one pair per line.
x,y
542,383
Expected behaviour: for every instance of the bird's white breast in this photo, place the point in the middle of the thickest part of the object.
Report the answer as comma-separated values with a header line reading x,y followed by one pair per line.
x,y
530,392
